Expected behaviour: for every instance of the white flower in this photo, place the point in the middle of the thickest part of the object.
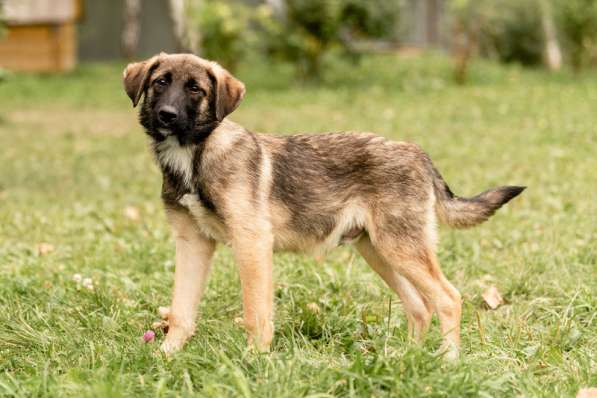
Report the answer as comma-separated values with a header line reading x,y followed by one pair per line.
x,y
88,283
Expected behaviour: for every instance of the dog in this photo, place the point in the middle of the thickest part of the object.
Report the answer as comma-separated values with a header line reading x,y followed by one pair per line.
x,y
264,193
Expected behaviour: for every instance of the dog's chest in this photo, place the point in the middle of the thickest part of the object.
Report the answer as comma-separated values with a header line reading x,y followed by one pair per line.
x,y
207,221
177,160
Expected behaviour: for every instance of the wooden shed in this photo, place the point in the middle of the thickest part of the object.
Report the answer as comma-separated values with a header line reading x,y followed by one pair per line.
x,y
40,35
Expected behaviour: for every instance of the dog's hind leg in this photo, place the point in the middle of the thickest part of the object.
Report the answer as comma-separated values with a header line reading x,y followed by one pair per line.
x,y
417,309
414,259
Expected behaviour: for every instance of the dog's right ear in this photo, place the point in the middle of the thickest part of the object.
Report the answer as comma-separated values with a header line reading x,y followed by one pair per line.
x,y
136,77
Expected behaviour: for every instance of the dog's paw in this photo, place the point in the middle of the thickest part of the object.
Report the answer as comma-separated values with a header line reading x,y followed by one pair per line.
x,y
449,352
176,339
261,341
171,346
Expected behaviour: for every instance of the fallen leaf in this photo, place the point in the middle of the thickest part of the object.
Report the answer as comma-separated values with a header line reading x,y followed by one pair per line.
x,y
160,325
132,213
492,297
590,392
45,248
314,308
239,321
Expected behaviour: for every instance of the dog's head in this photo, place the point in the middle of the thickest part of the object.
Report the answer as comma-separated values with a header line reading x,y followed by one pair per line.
x,y
185,95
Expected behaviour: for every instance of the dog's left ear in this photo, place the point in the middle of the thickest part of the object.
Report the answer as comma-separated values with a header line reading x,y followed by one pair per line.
x,y
229,91
136,76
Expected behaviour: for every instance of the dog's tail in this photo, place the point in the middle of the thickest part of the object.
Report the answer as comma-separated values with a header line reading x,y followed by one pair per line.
x,y
467,212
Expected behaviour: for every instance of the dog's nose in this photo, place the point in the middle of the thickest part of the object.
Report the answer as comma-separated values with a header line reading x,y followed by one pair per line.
x,y
167,115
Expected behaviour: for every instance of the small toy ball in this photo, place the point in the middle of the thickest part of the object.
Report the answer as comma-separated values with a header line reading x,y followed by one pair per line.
x,y
148,336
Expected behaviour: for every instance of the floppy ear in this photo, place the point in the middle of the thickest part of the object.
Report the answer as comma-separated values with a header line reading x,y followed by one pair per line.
x,y
229,91
136,77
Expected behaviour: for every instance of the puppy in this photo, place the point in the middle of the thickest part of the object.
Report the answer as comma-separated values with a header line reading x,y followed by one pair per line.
x,y
261,193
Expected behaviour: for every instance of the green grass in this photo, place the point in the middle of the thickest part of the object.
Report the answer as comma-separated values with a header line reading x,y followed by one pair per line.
x,y
73,158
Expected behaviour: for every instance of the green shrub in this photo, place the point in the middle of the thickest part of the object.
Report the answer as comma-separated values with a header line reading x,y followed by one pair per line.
x,y
309,29
577,20
369,19
224,27
513,32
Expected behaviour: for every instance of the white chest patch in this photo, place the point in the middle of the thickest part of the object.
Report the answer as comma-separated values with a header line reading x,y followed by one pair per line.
x,y
177,158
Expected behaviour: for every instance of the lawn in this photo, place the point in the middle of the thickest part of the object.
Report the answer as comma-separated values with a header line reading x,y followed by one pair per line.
x,y
76,170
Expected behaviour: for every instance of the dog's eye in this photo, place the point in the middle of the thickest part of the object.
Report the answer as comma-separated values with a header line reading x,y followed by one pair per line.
x,y
161,82
194,88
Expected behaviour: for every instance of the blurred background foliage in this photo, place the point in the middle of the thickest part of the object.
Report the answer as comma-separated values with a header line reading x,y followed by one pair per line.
x,y
306,33
578,23
311,34
2,33
512,32
300,31
225,29
308,29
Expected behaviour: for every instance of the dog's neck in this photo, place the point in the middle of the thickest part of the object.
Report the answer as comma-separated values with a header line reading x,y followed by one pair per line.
x,y
177,160
181,164
177,154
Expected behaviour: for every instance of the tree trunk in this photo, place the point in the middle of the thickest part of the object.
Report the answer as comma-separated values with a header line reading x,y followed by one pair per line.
x,y
130,32
279,8
553,54
433,22
187,34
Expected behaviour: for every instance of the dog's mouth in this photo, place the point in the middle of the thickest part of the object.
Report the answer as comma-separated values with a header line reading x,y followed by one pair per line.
x,y
183,136
165,131
168,130
186,135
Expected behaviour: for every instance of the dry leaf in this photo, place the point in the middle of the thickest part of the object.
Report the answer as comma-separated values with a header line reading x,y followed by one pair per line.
x,y
239,321
590,392
45,248
163,325
492,297
132,213
314,308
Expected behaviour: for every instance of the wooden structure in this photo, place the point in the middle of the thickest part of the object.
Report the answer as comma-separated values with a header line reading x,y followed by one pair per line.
x,y
40,35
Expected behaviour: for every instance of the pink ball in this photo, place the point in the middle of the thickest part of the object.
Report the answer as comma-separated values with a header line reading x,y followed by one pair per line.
x,y
148,336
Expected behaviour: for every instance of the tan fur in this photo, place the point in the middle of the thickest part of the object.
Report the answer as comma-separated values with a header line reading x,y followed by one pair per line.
x,y
260,194
193,262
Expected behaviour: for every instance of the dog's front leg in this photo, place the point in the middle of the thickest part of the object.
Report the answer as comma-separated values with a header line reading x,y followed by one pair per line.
x,y
253,251
193,261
